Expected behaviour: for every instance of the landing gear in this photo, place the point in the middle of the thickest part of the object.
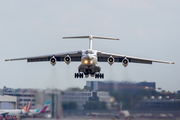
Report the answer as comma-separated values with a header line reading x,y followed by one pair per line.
x,y
99,75
78,75
96,75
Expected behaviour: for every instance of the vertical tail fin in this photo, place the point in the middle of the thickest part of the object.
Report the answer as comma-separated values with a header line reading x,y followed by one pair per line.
x,y
43,110
27,107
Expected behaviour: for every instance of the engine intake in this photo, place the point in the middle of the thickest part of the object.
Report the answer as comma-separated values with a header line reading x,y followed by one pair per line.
x,y
67,59
111,60
125,62
53,61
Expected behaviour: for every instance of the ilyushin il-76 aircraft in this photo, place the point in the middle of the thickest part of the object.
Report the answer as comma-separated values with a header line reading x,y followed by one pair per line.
x,y
89,59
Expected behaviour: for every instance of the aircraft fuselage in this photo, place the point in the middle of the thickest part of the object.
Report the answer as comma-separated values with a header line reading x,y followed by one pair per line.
x,y
89,63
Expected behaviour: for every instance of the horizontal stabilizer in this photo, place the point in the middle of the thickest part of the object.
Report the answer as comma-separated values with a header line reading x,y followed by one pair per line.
x,y
91,37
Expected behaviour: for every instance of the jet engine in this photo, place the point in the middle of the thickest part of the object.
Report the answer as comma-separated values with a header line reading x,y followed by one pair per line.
x,y
67,59
110,60
53,61
125,62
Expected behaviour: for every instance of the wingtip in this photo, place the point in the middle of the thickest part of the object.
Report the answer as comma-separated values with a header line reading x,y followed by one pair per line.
x,y
117,38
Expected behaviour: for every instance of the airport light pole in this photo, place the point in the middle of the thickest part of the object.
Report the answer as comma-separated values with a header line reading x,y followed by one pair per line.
x,y
53,104
23,97
32,91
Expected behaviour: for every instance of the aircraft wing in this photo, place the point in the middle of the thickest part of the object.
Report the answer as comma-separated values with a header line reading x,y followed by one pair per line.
x,y
4,113
75,56
103,56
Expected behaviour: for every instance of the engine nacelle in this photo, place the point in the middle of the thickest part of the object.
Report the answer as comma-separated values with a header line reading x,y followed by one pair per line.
x,y
110,60
67,59
53,61
125,62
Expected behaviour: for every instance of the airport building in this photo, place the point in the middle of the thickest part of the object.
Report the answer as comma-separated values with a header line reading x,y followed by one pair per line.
x,y
8,102
18,98
23,96
160,104
81,97
178,92
120,86
52,95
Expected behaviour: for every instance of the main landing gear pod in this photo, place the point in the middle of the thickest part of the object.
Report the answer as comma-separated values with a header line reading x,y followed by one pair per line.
x,y
99,75
78,75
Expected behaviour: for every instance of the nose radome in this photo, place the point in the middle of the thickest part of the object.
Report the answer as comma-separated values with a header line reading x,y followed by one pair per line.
x,y
89,56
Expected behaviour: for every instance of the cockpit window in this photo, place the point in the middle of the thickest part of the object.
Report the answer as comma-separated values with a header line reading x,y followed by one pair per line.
x,y
89,52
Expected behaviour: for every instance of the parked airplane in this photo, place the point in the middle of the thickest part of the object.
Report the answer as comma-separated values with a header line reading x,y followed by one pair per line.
x,y
39,111
122,114
89,59
18,112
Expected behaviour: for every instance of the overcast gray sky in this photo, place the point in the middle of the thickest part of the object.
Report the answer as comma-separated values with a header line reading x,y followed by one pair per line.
x,y
146,28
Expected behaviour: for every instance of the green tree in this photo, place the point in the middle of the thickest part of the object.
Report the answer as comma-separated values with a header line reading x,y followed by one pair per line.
x,y
70,105
87,88
91,105
102,105
74,89
65,105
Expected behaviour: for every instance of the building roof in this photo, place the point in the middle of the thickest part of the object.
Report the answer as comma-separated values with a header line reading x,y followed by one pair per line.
x,y
6,98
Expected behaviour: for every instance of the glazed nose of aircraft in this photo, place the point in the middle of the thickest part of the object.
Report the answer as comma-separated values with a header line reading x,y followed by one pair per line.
x,y
89,56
